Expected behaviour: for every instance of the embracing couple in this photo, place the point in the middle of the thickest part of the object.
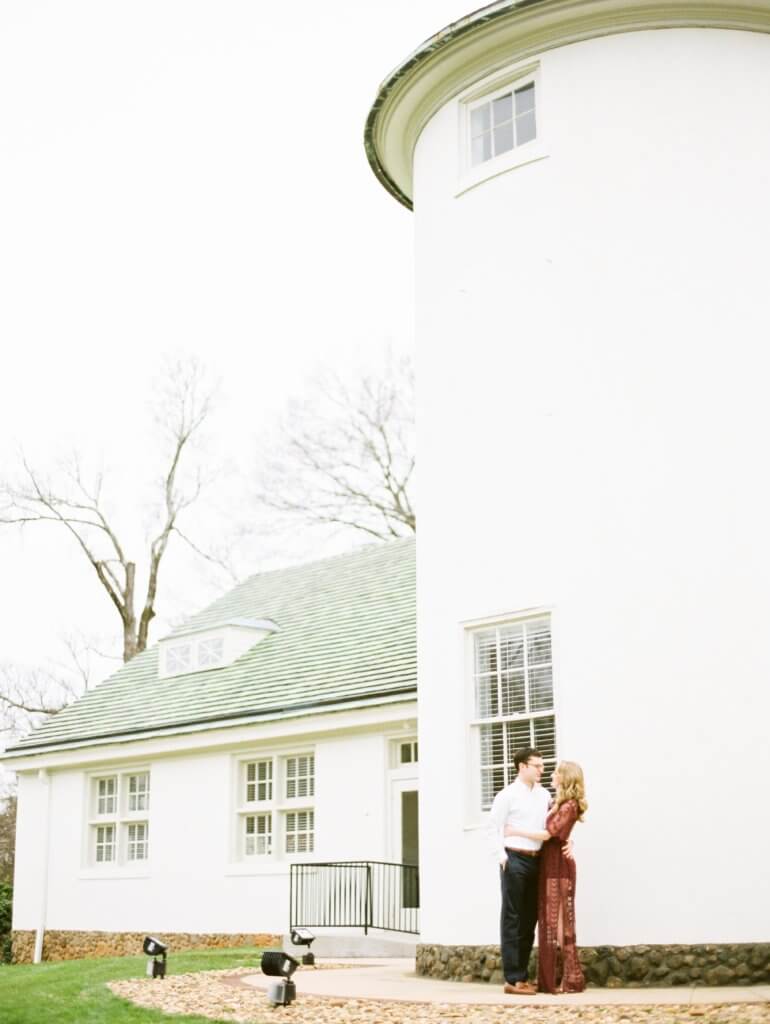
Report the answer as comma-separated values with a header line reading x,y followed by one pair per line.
x,y
531,835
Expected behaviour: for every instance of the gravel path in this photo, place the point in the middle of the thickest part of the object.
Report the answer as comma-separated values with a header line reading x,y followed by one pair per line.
x,y
222,995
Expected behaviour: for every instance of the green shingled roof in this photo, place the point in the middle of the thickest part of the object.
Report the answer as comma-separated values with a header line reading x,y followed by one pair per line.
x,y
346,633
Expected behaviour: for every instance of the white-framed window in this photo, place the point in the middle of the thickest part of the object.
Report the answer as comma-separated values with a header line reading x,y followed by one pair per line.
x,y
500,125
194,655
259,781
300,776
403,752
104,852
211,647
501,122
118,818
299,832
513,699
258,834
107,795
274,813
407,752
178,659
138,840
211,652
139,792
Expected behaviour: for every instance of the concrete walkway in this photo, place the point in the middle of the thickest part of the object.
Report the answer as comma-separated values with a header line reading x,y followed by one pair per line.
x,y
395,980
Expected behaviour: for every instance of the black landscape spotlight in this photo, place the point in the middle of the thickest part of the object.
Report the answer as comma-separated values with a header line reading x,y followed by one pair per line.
x,y
156,968
277,964
304,937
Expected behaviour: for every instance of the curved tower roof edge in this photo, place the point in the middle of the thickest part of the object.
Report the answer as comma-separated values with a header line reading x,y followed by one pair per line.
x,y
502,33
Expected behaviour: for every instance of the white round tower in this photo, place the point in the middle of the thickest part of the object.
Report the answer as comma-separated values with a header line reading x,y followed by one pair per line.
x,y
591,187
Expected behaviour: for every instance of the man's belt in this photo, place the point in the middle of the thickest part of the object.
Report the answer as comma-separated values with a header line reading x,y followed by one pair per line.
x,y
524,853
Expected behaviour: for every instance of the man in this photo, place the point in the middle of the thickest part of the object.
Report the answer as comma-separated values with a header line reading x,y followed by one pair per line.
x,y
523,805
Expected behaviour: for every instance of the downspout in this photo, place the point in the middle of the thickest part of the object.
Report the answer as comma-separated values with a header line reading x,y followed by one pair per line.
x,y
45,780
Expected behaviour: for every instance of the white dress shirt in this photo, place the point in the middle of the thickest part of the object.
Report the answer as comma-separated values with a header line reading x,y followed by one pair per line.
x,y
521,807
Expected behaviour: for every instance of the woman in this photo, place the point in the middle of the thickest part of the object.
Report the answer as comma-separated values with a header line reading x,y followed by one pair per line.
x,y
556,898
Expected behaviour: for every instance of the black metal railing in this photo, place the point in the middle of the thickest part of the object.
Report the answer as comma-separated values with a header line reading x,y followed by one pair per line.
x,y
355,894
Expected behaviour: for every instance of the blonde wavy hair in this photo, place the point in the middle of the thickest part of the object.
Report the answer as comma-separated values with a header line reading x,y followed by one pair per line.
x,y
571,786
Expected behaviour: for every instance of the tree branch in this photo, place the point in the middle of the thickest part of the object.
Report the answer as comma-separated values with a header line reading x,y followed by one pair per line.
x,y
77,504
346,460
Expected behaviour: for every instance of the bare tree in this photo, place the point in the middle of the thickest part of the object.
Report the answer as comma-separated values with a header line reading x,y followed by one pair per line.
x,y
26,694
27,697
29,694
347,458
76,503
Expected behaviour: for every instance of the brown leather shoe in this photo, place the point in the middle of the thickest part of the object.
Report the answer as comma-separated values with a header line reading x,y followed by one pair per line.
x,y
519,988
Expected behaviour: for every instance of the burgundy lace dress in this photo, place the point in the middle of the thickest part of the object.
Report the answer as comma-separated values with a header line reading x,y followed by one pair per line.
x,y
556,908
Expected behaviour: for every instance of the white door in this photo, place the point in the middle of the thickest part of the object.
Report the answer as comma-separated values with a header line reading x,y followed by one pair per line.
x,y
405,840
405,848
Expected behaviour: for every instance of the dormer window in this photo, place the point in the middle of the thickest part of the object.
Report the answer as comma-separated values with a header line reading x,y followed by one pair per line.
x,y
194,656
211,652
200,650
178,659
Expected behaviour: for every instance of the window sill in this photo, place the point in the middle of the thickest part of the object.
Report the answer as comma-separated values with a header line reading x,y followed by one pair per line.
x,y
268,866
529,154
111,874
235,870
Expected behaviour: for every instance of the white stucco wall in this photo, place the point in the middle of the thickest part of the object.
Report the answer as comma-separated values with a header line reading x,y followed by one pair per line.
x,y
194,881
593,425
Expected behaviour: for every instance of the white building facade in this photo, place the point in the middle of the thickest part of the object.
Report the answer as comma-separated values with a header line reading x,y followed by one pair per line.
x,y
590,191
175,798
151,837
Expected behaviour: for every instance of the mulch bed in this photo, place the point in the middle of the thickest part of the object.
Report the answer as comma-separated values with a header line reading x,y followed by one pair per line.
x,y
223,996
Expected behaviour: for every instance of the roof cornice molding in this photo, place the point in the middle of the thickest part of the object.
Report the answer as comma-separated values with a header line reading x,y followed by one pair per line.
x,y
502,34
27,758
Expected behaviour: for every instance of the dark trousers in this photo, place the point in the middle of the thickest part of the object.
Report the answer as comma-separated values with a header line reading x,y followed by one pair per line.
x,y
518,914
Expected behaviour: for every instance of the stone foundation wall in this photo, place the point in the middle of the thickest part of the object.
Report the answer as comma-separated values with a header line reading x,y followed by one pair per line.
x,y
66,945
616,966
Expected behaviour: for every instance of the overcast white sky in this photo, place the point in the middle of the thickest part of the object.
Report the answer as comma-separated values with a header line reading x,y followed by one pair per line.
x,y
186,176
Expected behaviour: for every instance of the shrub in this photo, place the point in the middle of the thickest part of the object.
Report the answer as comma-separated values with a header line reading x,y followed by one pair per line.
x,y
6,905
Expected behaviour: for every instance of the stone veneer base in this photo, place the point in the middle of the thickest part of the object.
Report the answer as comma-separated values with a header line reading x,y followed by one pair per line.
x,y
745,963
71,945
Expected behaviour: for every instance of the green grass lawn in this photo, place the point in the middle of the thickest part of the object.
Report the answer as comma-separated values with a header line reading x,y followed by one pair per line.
x,y
75,991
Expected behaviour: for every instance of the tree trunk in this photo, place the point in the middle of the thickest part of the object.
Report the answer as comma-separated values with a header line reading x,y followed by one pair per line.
x,y
130,645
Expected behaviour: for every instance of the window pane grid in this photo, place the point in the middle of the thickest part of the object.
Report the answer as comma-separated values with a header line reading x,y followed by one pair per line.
x,y
210,652
499,743
269,822
513,685
259,781
138,792
258,829
105,843
138,841
408,752
299,831
106,790
300,776
503,123
121,840
523,680
178,659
